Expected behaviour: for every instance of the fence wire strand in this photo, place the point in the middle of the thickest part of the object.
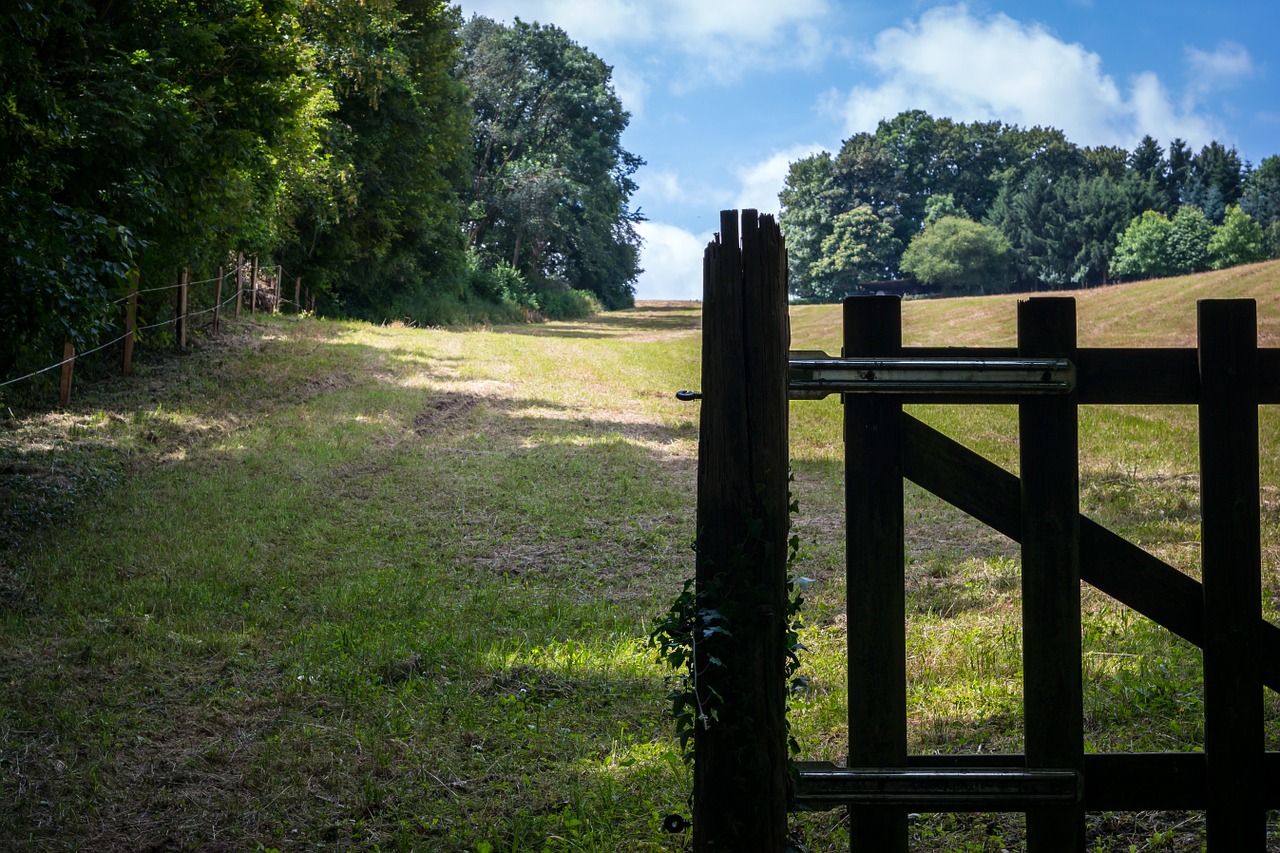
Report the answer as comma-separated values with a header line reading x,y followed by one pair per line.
x,y
136,329
240,291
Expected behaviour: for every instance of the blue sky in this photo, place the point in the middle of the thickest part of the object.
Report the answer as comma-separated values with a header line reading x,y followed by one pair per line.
x,y
723,95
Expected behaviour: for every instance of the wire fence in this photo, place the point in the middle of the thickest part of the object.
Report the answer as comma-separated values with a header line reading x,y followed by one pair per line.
x,y
260,290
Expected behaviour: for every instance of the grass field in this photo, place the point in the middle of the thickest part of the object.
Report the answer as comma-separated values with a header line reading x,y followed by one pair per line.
x,y
325,585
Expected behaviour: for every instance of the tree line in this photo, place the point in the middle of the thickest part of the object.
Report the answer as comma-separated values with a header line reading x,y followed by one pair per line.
x,y
403,161
983,207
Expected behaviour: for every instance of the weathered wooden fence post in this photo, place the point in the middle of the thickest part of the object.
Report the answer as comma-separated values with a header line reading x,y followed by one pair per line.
x,y
297,295
180,316
875,568
130,322
68,370
1052,680
253,287
239,283
740,746
1231,566
217,301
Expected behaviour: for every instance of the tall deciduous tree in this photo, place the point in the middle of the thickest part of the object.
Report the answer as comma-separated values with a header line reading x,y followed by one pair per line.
x,y
1143,251
806,220
550,183
375,223
861,248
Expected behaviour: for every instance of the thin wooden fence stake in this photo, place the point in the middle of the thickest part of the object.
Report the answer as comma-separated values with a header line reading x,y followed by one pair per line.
x,y
130,322
217,301
68,368
1231,567
875,572
297,291
239,282
1050,500
253,287
180,317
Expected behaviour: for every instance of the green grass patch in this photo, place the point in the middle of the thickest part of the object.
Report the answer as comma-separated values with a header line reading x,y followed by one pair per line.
x,y
333,585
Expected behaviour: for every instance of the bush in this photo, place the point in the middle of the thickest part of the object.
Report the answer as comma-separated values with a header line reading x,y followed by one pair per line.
x,y
1238,240
568,304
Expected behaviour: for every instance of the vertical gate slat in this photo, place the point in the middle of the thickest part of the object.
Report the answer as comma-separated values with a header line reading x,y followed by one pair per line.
x,y
1231,573
875,572
1052,680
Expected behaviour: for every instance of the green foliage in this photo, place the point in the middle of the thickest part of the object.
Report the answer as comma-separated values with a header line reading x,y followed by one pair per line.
x,y
938,206
375,219
60,269
1216,180
1154,246
1143,251
1271,239
702,613
137,135
860,248
962,256
1061,207
1189,241
1261,196
1238,240
564,303
806,221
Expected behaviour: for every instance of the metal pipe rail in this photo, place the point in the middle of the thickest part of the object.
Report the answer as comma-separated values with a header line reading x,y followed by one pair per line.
x,y
823,785
814,375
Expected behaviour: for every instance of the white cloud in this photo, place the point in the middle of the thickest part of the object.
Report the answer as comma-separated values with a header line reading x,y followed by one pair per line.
x,y
632,90
660,185
672,261
761,182
954,63
718,39
1219,69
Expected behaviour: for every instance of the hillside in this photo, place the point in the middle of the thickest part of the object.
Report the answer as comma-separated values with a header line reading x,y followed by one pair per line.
x,y
1156,313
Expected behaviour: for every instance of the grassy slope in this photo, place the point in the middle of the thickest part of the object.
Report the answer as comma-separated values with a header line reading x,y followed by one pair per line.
x,y
354,587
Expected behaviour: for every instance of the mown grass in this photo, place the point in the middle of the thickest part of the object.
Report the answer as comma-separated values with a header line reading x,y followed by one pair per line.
x,y
326,585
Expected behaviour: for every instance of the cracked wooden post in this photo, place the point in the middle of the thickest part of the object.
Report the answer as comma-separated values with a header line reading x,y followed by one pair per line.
x,y
740,746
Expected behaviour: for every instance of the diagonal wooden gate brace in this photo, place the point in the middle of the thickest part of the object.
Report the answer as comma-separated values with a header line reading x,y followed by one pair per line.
x,y
1109,563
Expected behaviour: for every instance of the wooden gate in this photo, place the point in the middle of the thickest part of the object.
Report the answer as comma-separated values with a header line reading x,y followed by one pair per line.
x,y
1234,780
